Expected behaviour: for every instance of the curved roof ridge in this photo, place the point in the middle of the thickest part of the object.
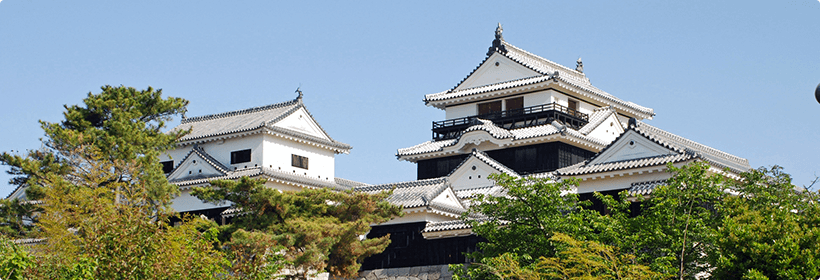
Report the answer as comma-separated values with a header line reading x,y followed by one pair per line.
x,y
240,112
405,184
686,143
490,127
543,61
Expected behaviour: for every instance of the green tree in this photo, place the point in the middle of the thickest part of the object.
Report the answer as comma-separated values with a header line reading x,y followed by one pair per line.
x,y
104,197
14,262
539,230
678,225
304,232
771,229
574,260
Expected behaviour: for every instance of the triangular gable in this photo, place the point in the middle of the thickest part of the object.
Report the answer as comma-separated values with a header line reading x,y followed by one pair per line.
x,y
631,145
197,164
300,120
495,69
607,129
474,170
448,199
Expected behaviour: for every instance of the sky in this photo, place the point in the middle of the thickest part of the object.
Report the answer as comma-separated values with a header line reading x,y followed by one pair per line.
x,y
738,76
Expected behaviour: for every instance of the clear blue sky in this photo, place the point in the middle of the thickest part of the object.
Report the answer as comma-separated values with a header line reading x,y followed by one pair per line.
x,y
735,75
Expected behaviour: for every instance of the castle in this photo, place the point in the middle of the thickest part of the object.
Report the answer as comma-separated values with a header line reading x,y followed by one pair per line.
x,y
515,113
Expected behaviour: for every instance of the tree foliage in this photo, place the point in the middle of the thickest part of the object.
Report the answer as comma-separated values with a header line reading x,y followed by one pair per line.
x,y
305,232
104,211
699,225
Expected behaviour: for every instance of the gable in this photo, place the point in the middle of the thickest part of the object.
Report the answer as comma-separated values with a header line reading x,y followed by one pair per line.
x,y
302,122
631,145
472,173
194,167
447,198
497,68
608,130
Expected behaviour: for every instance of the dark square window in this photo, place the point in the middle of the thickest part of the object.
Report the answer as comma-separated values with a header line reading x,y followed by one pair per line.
x,y
299,161
489,107
241,156
515,103
167,166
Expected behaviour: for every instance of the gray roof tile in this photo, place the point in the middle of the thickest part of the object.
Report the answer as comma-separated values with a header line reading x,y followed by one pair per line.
x,y
645,188
683,145
502,133
581,168
269,173
488,160
251,119
411,194
548,70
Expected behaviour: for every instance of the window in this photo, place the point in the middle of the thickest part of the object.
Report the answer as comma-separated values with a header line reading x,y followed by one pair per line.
x,y
515,104
299,161
489,107
167,166
572,106
241,156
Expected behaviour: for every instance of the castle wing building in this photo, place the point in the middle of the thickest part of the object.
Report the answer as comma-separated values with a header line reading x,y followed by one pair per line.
x,y
523,115
280,142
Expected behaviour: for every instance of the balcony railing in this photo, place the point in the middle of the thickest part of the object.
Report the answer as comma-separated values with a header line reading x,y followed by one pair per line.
x,y
510,119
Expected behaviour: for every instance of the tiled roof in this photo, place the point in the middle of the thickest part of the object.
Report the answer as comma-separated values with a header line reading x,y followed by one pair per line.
x,y
349,184
489,161
581,168
597,118
411,194
426,147
683,145
549,71
273,174
250,120
487,190
645,188
235,121
445,226
197,150
502,133
686,149
29,241
491,128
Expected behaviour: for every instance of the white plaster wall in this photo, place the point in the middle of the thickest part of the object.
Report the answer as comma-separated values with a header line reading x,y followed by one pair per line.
x,y
186,202
466,178
447,197
537,98
620,182
563,100
302,122
490,73
608,130
278,151
461,111
221,150
412,217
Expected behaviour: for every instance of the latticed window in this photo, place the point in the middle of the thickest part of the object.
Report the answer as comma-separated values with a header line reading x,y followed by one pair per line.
x,y
299,161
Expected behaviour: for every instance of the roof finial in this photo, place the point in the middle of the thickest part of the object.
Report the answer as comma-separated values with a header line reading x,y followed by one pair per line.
x,y
579,65
497,45
299,91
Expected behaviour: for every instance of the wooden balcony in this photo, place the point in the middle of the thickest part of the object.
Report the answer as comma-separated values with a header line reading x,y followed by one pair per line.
x,y
511,119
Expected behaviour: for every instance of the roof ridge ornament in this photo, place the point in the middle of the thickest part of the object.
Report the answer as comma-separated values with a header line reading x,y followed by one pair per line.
x,y
579,65
299,91
497,45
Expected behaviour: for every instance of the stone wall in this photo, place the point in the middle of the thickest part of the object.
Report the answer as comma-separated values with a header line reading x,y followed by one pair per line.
x,y
430,272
